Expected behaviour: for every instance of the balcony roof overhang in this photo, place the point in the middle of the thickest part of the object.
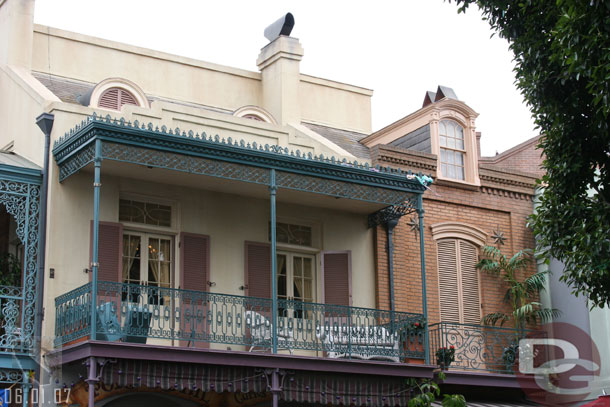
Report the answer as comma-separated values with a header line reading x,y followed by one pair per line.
x,y
228,160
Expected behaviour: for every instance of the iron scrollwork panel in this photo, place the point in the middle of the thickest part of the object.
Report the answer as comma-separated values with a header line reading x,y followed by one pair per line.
x,y
22,202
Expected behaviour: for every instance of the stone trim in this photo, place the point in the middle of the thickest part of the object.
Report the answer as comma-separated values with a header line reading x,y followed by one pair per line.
x,y
457,230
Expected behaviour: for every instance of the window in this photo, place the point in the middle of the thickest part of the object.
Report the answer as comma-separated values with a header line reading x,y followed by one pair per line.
x,y
299,235
254,113
147,260
253,117
458,281
451,140
295,279
115,98
145,212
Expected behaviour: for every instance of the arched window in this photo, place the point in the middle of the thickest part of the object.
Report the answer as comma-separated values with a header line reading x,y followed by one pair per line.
x,y
452,149
115,98
254,113
253,117
114,93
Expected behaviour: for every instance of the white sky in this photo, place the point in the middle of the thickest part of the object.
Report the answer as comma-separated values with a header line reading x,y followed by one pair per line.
x,y
400,48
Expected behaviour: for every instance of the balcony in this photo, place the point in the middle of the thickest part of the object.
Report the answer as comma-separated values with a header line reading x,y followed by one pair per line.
x,y
477,347
176,317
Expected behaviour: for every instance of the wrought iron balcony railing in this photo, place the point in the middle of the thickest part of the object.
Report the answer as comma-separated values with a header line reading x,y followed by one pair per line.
x,y
12,337
477,347
138,313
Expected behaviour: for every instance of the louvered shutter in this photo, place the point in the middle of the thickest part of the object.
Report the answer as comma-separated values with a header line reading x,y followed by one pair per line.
x,y
471,305
257,269
448,280
110,251
194,275
115,98
194,261
336,270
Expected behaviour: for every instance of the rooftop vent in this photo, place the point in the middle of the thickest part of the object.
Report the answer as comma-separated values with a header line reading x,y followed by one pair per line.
x,y
283,26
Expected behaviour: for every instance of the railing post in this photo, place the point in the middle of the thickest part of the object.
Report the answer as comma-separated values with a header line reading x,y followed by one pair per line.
x,y
422,253
274,316
96,229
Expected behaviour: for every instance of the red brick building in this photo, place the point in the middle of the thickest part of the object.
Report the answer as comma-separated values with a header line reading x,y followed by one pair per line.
x,y
474,201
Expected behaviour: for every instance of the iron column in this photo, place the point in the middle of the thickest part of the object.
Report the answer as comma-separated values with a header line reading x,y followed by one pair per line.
x,y
274,316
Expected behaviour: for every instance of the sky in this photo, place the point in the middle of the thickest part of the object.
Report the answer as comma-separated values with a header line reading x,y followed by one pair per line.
x,y
400,49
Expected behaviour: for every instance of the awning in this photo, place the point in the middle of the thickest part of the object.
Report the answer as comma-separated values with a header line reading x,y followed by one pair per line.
x,y
300,387
492,404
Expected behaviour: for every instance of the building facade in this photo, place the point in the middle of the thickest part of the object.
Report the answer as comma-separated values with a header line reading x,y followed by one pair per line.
x,y
219,237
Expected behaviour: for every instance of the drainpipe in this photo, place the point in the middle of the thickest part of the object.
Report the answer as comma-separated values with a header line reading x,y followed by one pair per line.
x,y
45,123
391,224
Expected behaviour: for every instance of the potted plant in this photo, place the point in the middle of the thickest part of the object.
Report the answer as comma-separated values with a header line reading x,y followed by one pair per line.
x,y
445,356
412,335
521,294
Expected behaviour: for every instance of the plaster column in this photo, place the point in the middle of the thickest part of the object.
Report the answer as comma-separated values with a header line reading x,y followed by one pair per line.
x,y
279,65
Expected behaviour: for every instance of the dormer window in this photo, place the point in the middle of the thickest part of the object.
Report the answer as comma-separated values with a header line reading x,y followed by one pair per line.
x,y
451,143
254,113
114,93
115,98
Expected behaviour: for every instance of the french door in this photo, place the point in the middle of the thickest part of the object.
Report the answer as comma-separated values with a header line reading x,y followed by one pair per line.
x,y
295,281
147,261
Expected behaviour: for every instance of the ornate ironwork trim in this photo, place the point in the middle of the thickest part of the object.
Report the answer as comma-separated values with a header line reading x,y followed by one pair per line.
x,y
20,195
181,148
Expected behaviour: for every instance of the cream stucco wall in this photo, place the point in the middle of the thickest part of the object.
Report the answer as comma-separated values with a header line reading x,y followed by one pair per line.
x,y
92,59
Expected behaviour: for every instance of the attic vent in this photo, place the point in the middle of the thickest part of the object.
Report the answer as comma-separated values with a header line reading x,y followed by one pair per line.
x,y
115,98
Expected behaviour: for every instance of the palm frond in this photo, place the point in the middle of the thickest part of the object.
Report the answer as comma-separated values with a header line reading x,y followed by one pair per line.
x,y
536,282
520,259
547,314
495,317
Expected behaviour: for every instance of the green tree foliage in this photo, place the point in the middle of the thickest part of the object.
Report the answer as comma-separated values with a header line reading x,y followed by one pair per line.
x,y
427,390
10,270
562,64
521,293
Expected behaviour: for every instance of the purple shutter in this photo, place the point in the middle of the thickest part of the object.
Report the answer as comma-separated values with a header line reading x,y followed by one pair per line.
x,y
110,251
337,278
258,269
194,275
194,261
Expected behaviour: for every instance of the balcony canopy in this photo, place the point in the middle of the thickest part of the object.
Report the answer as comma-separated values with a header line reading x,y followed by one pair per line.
x,y
149,146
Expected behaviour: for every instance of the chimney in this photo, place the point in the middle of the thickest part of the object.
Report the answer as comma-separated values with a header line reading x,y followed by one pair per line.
x,y
16,32
478,134
279,65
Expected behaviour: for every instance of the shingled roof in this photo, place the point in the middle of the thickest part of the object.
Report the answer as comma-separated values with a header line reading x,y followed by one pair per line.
x,y
347,140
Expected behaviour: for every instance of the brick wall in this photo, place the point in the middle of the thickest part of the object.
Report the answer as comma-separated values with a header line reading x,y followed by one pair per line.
x,y
504,202
525,157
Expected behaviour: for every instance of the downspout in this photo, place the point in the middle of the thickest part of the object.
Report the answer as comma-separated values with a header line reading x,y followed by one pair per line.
x,y
391,224
45,123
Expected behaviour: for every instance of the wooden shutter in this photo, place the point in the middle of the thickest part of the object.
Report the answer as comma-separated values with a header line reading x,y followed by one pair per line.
x,y
115,98
448,280
458,282
110,251
257,277
337,276
471,305
194,261
194,275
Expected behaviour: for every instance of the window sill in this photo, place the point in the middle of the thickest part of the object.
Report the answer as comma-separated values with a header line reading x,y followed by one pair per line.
x,y
450,182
